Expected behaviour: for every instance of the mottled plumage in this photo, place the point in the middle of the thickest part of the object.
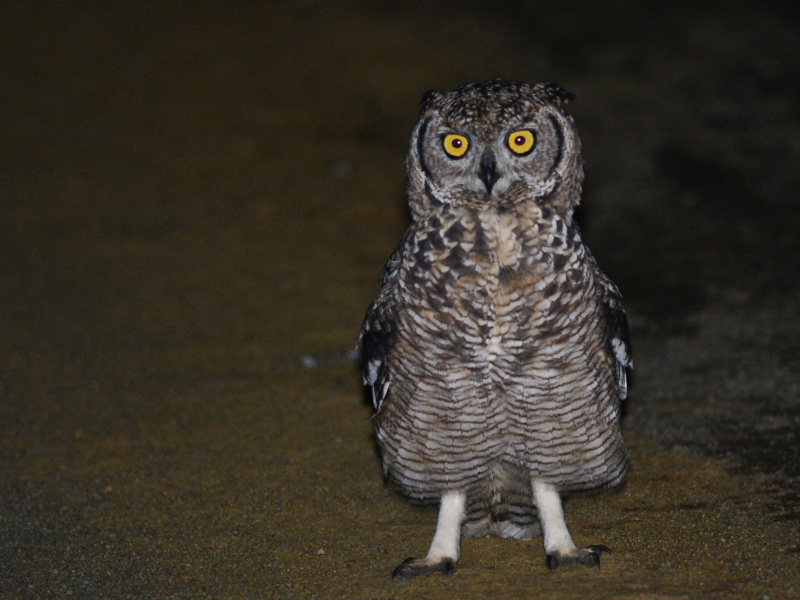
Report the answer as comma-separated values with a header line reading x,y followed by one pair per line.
x,y
496,350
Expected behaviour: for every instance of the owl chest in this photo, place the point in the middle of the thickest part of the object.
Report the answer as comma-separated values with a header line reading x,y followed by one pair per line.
x,y
486,291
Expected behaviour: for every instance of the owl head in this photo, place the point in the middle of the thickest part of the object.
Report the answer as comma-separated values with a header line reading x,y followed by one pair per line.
x,y
496,143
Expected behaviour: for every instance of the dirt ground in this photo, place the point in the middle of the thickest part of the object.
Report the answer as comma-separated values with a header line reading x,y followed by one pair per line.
x,y
196,200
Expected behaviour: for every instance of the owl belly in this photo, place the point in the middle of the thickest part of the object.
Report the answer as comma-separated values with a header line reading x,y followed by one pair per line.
x,y
563,416
559,393
526,388
441,431
443,425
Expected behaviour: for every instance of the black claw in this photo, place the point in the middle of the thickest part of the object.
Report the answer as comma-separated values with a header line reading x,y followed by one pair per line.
x,y
398,570
583,556
552,562
448,567
600,548
591,559
408,570
593,555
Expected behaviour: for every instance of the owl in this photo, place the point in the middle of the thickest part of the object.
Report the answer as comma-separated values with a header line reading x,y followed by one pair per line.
x,y
496,350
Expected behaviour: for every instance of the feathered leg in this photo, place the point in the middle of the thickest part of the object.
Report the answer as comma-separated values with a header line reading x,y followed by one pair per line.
x,y
444,551
558,544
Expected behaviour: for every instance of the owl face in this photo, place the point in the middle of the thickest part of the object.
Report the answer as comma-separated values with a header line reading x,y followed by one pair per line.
x,y
495,143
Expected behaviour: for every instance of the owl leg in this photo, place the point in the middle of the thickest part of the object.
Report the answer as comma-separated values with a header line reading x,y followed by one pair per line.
x,y
558,544
444,551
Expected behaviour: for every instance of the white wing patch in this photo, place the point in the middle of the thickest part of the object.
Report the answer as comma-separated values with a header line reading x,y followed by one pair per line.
x,y
371,378
622,354
371,372
384,390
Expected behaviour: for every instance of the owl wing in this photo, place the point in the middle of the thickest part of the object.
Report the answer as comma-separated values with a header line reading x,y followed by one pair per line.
x,y
377,336
617,334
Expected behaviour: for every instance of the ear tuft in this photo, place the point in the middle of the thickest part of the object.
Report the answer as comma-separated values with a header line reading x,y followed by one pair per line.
x,y
429,97
555,94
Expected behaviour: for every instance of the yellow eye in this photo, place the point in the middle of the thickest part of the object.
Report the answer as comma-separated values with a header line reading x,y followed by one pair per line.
x,y
521,142
455,145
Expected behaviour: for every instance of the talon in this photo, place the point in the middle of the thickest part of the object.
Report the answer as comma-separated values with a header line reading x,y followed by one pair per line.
x,y
600,548
448,567
412,567
552,562
398,570
593,555
589,557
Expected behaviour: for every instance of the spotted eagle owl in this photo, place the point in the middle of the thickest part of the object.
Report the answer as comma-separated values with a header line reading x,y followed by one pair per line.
x,y
496,350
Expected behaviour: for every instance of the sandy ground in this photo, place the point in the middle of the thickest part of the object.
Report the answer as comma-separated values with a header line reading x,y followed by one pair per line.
x,y
196,200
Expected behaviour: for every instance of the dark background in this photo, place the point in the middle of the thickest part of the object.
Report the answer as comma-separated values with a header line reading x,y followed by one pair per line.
x,y
196,200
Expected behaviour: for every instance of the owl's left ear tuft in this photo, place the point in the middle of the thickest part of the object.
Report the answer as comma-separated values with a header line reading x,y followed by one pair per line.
x,y
557,95
429,97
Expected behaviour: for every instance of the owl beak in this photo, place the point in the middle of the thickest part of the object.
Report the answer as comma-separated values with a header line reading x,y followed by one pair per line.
x,y
488,173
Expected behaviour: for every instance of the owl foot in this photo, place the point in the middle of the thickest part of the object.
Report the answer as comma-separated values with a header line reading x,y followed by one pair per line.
x,y
412,567
580,556
443,554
